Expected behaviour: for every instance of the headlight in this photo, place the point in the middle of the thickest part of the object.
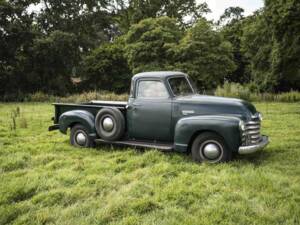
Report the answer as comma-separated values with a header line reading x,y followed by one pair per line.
x,y
242,125
260,116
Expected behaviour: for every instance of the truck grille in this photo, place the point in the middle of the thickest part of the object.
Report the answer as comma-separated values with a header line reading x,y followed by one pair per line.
x,y
251,135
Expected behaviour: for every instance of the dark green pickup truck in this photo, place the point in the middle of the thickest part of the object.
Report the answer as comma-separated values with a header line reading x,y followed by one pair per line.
x,y
165,112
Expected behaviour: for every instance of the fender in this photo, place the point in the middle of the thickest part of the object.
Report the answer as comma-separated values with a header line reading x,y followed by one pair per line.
x,y
226,126
83,117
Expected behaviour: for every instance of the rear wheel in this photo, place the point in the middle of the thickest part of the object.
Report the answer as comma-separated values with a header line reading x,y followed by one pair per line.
x,y
79,137
110,124
210,147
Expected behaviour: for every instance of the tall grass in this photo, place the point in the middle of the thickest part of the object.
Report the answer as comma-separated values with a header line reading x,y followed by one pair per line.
x,y
44,180
76,98
233,90
236,90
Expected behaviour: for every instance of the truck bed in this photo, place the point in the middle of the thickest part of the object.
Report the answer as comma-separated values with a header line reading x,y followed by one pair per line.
x,y
92,107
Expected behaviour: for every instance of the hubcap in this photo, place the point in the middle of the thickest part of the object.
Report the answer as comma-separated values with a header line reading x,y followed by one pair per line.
x,y
108,124
81,138
211,151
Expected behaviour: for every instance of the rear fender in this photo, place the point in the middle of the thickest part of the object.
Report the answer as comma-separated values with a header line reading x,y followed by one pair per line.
x,y
85,118
188,127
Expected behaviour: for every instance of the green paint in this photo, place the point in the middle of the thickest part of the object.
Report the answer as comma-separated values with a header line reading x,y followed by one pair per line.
x,y
172,119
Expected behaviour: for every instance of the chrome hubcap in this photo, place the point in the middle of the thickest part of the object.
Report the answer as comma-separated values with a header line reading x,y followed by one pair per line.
x,y
211,151
81,138
108,124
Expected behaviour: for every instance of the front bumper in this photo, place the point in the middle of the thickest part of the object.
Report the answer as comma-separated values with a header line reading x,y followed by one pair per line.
x,y
243,150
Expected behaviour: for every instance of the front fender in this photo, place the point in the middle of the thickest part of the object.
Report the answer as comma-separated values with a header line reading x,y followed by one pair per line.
x,y
226,126
82,117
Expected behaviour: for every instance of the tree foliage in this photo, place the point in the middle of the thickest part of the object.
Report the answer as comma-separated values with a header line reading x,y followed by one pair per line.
x,y
41,50
16,35
232,30
133,11
231,15
205,55
258,49
87,19
106,68
283,22
149,44
51,63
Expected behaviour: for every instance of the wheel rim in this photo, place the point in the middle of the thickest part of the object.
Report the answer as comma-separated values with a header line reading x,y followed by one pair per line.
x,y
211,151
80,138
107,124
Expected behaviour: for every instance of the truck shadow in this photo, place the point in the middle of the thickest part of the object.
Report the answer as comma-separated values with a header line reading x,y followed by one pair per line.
x,y
256,159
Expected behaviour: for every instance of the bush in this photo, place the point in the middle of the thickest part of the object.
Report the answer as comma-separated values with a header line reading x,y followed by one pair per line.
x,y
75,98
233,90
94,95
292,96
40,97
236,90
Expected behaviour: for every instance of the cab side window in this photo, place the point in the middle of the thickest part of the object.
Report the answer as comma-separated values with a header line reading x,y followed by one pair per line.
x,y
151,89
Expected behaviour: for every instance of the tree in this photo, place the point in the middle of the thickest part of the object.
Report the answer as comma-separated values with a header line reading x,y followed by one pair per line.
x,y
89,20
272,45
149,44
205,55
258,48
231,15
133,11
106,68
283,24
49,68
16,36
232,30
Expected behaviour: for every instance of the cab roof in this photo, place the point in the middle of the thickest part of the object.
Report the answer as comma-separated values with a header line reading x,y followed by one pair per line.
x,y
157,74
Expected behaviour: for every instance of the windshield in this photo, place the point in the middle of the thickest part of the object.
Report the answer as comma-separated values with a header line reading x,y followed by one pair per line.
x,y
180,86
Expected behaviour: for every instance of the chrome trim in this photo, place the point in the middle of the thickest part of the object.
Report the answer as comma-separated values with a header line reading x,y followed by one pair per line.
x,y
211,151
107,124
184,145
243,150
251,135
80,138
255,136
252,127
251,132
217,157
187,112
242,126
252,122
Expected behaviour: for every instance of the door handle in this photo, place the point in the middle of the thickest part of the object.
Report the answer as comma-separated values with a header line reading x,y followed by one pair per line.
x,y
133,106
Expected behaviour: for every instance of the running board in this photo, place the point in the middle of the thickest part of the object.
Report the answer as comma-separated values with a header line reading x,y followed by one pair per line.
x,y
157,145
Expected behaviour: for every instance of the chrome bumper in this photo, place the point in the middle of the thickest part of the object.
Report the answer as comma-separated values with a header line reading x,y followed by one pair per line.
x,y
253,148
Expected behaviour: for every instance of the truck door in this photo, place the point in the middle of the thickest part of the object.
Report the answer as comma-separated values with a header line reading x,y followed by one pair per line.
x,y
149,112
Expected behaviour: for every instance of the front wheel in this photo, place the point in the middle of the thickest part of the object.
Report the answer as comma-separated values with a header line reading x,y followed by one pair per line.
x,y
79,137
210,147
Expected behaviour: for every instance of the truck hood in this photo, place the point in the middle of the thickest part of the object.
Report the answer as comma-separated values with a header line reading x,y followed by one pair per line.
x,y
211,105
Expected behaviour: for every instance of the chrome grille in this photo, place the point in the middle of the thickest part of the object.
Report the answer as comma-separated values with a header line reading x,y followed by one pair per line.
x,y
251,135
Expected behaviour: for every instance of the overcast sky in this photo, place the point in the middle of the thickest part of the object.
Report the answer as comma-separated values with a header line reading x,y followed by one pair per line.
x,y
218,6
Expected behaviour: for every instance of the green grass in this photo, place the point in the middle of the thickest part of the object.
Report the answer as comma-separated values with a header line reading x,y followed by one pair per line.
x,y
43,180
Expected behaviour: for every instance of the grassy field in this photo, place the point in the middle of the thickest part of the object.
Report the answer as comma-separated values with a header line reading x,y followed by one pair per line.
x,y
43,180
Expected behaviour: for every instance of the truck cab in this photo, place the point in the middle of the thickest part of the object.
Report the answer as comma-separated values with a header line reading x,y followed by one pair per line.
x,y
165,111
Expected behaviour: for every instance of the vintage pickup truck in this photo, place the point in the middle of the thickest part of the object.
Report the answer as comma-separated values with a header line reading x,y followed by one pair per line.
x,y
165,112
